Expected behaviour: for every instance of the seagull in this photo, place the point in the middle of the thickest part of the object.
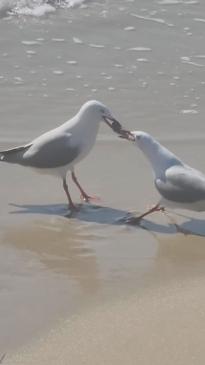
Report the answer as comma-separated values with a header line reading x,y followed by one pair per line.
x,y
58,151
179,185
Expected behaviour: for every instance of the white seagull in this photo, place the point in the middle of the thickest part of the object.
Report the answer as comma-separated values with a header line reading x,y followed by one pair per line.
x,y
179,185
57,151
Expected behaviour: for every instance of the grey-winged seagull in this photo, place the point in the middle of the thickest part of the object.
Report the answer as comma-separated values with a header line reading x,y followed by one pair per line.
x,y
179,185
57,151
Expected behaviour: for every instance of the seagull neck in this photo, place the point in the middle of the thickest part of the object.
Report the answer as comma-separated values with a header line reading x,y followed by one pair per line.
x,y
83,130
160,158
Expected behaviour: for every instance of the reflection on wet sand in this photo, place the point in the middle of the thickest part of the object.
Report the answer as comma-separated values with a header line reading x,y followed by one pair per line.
x,y
182,250
161,316
179,258
64,262
63,248
113,216
48,268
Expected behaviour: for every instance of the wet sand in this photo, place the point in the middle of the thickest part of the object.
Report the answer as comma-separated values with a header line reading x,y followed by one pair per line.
x,y
90,268
88,289
164,325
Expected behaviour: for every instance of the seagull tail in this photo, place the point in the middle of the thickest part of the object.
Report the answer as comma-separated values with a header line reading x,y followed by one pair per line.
x,y
11,155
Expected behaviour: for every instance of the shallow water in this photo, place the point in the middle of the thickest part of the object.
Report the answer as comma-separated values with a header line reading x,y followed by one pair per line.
x,y
146,61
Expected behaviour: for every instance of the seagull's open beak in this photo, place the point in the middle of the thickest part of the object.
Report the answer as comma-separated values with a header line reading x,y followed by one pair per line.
x,y
117,127
113,123
125,134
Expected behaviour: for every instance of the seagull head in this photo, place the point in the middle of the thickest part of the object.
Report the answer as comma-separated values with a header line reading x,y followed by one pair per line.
x,y
141,139
144,141
97,111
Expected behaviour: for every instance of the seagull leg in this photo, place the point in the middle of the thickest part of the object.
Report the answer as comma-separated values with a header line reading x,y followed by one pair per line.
x,y
84,196
70,202
136,220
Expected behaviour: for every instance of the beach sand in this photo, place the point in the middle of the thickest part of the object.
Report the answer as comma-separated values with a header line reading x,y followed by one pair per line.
x,y
96,291
163,323
87,289
164,326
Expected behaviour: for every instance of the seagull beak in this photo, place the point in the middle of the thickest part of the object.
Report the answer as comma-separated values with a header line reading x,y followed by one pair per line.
x,y
113,124
125,134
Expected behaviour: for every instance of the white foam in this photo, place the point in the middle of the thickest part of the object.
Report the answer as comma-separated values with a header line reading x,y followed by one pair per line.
x,y
187,60
30,52
58,40
72,62
30,43
139,49
189,111
77,40
129,28
96,45
58,72
156,20
175,2
37,11
142,59
35,8
202,20
73,3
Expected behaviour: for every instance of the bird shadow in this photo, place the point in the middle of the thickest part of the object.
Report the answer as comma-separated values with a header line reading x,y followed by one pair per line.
x,y
107,215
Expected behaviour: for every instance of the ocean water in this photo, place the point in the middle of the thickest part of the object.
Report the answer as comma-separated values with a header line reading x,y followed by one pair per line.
x,y
149,54
146,61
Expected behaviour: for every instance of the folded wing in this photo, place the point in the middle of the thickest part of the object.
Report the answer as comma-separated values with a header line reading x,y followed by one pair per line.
x,y
182,184
50,150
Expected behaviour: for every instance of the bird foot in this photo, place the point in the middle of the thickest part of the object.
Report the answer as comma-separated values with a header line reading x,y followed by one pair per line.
x,y
133,221
87,198
72,209
130,219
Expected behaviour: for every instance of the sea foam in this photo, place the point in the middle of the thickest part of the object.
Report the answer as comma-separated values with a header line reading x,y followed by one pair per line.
x,y
36,8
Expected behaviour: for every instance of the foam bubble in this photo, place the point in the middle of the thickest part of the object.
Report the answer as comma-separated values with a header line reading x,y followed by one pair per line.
x,y
58,40
77,40
139,49
93,45
129,28
30,43
58,72
72,62
189,111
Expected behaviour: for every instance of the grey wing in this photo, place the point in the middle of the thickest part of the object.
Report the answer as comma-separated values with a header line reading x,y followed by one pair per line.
x,y
182,184
51,150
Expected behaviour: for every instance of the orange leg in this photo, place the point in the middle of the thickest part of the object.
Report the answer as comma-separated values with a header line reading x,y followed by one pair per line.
x,y
70,202
136,220
84,196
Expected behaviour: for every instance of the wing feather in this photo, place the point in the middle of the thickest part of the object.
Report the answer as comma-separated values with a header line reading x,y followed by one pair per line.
x,y
50,150
182,184
11,154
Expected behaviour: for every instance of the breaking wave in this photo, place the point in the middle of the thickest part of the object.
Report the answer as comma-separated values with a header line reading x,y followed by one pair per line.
x,y
35,7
